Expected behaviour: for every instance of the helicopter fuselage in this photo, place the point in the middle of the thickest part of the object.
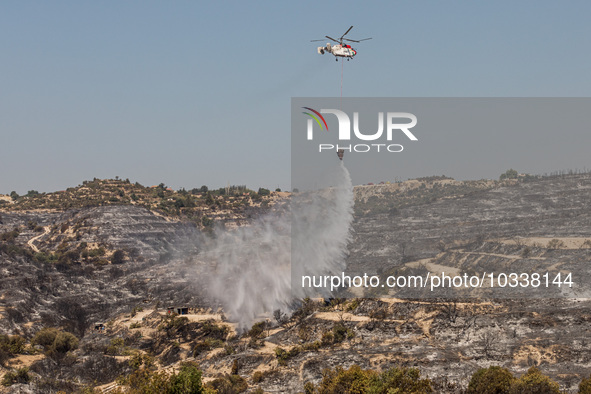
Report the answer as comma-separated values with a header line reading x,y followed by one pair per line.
x,y
338,50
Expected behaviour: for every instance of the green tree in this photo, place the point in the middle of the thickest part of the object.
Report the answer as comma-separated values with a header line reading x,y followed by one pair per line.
x,y
179,202
209,199
188,380
56,343
492,380
509,174
264,192
535,382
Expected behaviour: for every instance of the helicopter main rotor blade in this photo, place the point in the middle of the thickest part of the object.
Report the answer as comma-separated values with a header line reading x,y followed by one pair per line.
x,y
330,38
349,39
347,32
316,40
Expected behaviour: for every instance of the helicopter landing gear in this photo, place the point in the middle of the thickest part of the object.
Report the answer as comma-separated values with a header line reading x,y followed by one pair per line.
x,y
336,59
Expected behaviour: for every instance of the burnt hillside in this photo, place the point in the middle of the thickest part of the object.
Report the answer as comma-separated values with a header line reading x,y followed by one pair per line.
x,y
125,264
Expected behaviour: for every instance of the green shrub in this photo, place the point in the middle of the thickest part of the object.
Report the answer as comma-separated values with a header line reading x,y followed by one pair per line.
x,y
229,384
585,386
327,338
258,377
64,342
206,222
535,382
492,380
12,344
257,329
340,333
41,257
282,356
555,244
56,343
9,236
138,359
145,381
45,337
173,323
206,345
97,252
311,346
211,329
352,380
352,305
357,380
20,375
136,310
116,347
401,380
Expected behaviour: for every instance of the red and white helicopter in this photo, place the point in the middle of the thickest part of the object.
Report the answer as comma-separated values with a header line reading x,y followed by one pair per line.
x,y
340,49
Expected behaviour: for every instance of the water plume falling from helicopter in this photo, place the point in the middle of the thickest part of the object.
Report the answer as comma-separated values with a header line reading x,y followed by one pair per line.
x,y
252,274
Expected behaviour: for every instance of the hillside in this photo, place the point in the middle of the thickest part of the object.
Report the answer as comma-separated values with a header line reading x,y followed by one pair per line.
x,y
538,224
124,263
231,205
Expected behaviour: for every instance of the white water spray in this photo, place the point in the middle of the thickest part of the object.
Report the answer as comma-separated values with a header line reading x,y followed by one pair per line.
x,y
253,264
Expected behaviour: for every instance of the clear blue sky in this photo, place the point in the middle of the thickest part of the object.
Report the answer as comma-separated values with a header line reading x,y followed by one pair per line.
x,y
192,92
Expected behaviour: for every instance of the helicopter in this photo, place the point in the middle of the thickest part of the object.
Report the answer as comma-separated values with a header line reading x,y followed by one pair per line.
x,y
339,49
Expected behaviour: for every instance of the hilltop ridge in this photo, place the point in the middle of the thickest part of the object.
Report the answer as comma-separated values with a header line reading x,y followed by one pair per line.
x,y
202,206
